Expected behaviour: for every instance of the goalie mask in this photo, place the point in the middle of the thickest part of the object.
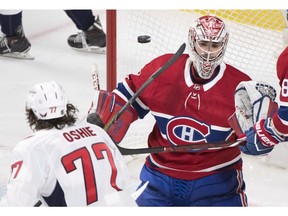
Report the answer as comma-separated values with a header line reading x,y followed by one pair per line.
x,y
47,100
207,40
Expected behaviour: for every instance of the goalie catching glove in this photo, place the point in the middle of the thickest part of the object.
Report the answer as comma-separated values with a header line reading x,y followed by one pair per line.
x,y
255,105
104,109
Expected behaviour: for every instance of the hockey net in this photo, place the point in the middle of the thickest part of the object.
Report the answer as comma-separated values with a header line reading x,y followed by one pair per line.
x,y
254,43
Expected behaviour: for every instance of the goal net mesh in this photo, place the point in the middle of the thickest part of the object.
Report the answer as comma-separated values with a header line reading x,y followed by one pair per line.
x,y
255,39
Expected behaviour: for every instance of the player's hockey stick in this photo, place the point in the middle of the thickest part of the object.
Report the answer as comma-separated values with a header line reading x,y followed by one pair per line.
x,y
95,119
182,148
145,84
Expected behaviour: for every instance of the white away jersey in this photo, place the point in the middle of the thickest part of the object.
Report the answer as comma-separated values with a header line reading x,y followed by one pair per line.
x,y
76,166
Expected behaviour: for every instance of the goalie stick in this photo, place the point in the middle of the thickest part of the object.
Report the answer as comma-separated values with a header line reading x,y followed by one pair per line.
x,y
183,148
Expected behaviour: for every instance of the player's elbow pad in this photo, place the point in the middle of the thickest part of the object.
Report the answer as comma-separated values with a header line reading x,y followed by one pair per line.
x,y
106,107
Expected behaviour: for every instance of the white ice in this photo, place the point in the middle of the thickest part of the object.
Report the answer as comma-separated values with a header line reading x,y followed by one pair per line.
x,y
47,30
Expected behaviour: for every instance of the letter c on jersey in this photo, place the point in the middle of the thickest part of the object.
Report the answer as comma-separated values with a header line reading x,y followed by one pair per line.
x,y
185,130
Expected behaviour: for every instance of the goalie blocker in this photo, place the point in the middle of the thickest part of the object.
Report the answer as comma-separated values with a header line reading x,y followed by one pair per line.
x,y
104,108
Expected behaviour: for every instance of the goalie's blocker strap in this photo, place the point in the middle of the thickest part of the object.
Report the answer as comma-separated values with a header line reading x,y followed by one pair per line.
x,y
253,101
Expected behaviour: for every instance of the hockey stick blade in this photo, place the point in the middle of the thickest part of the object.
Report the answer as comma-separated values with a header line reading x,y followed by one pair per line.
x,y
182,148
173,59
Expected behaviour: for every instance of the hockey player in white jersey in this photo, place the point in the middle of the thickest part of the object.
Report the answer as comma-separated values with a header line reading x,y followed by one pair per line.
x,y
63,163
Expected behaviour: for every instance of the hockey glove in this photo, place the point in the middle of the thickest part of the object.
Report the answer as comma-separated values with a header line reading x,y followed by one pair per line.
x,y
253,145
106,107
266,133
261,138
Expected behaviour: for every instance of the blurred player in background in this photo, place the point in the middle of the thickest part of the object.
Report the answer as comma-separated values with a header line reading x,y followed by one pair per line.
x,y
14,43
92,37
191,102
63,163
271,131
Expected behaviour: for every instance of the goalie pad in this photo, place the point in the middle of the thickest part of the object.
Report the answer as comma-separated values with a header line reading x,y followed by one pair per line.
x,y
106,107
253,101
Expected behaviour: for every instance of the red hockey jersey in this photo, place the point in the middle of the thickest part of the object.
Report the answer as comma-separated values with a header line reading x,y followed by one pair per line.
x,y
187,112
280,119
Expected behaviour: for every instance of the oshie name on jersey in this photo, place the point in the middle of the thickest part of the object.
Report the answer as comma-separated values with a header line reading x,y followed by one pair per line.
x,y
77,134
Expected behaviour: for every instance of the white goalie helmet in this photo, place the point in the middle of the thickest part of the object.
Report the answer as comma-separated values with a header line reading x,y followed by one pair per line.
x,y
47,100
207,42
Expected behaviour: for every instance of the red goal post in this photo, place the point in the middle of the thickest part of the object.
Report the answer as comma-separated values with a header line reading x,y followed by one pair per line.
x,y
111,58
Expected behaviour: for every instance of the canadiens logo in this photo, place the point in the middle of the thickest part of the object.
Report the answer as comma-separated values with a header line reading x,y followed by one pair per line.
x,y
185,130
